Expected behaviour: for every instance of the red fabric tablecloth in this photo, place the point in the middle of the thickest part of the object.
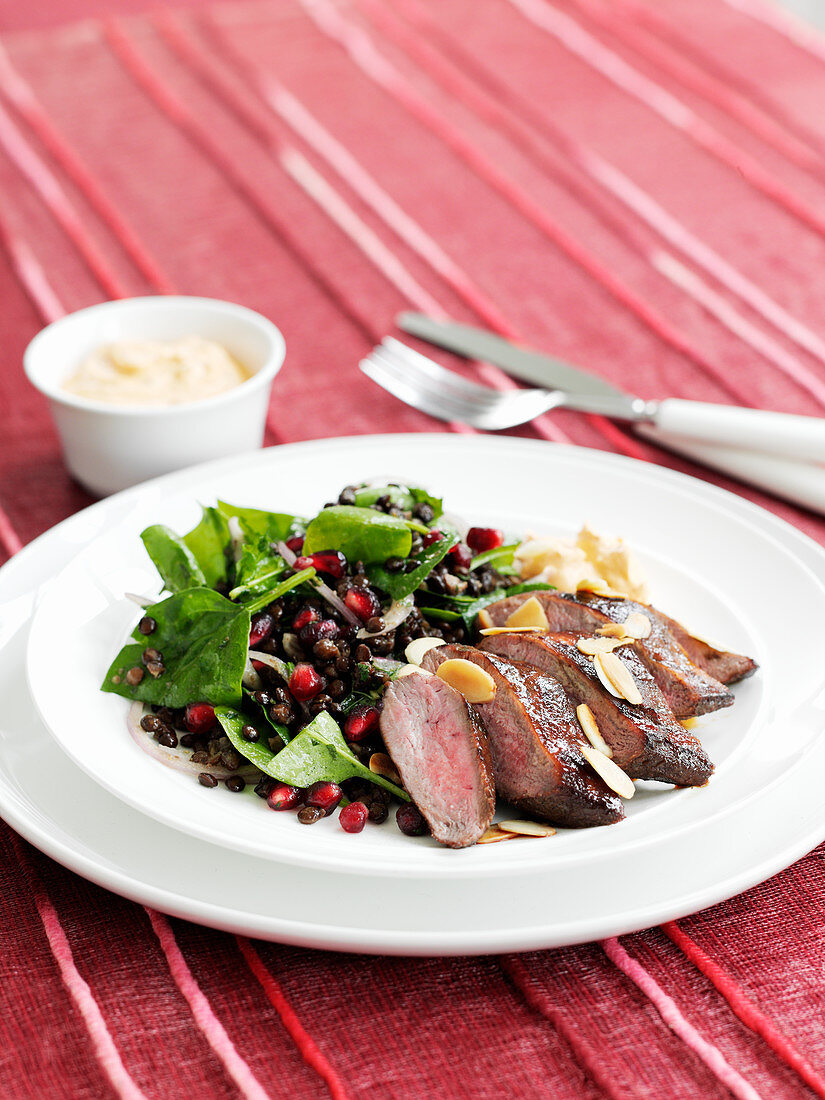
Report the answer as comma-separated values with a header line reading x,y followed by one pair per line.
x,y
638,186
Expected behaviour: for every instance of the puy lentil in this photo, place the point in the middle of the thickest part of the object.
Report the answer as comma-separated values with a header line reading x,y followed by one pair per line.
x,y
155,668
200,757
249,733
308,815
147,625
281,713
424,511
167,738
394,565
150,654
347,496
362,653
152,723
375,624
207,780
326,649
235,783
134,676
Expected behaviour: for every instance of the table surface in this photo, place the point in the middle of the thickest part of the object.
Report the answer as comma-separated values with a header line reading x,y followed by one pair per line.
x,y
636,185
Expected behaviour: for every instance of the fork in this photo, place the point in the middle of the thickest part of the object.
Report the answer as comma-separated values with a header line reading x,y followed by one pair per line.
x,y
422,383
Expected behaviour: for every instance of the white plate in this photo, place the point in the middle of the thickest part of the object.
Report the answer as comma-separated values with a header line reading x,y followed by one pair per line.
x,y
61,811
730,570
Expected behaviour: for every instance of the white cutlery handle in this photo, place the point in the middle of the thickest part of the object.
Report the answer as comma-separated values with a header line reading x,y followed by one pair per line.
x,y
801,437
802,483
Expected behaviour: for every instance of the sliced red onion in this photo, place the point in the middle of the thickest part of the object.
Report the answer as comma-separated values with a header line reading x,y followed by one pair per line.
x,y
237,536
292,647
250,678
272,661
393,617
141,601
388,664
322,589
179,759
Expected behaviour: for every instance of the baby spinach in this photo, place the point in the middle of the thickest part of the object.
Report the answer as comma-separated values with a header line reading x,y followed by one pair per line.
x,y
256,752
361,534
399,585
500,559
209,544
172,558
272,525
258,567
405,496
469,611
203,640
319,752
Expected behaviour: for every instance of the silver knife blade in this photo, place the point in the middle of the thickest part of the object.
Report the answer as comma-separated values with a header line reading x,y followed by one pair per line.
x,y
523,363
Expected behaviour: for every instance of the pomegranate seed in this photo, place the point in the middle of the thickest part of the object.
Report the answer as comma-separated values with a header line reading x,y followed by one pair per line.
x,y
331,562
353,817
314,632
258,665
363,602
461,555
283,797
199,718
262,626
302,563
410,821
324,795
305,683
484,538
295,544
431,537
308,615
361,721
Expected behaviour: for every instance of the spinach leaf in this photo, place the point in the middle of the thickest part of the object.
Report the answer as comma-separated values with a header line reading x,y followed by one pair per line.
x,y
258,568
319,752
405,496
274,526
361,534
500,559
256,752
469,611
209,543
399,585
203,639
172,558
440,613
259,602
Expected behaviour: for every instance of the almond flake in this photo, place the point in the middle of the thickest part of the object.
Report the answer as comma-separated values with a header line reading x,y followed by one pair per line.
x,y
610,668
474,683
493,835
591,730
407,670
611,630
419,647
510,630
485,619
611,773
599,588
592,646
530,613
381,764
637,625
526,828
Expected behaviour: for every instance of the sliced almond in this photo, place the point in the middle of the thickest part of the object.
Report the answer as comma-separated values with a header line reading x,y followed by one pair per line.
x,y
637,625
591,730
476,685
493,835
611,630
510,630
592,646
598,588
531,613
526,828
381,764
407,670
419,647
609,668
484,619
611,773
689,723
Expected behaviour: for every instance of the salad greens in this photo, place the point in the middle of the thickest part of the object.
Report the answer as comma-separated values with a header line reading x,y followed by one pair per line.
x,y
203,639
209,543
173,559
361,534
399,585
466,608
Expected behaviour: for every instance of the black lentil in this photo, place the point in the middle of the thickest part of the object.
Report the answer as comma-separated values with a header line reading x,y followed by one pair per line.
x,y
134,676
206,779
249,733
308,815
147,625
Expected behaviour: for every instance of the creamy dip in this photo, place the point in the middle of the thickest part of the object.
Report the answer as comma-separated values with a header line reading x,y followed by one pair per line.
x,y
156,372
569,563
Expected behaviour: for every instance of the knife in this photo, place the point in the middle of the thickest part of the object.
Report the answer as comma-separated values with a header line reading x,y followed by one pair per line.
x,y
779,452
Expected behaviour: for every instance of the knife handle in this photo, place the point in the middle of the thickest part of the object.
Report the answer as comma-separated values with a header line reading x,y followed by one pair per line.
x,y
802,483
800,437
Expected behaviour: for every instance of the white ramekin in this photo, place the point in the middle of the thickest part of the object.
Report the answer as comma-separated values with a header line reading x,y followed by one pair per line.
x,y
110,447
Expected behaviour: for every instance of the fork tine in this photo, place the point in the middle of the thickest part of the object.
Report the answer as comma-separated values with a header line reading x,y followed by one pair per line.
x,y
454,403
405,391
433,376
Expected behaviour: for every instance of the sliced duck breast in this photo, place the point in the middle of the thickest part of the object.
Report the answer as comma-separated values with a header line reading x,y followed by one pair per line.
x,y
688,687
535,741
647,740
728,668
439,747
